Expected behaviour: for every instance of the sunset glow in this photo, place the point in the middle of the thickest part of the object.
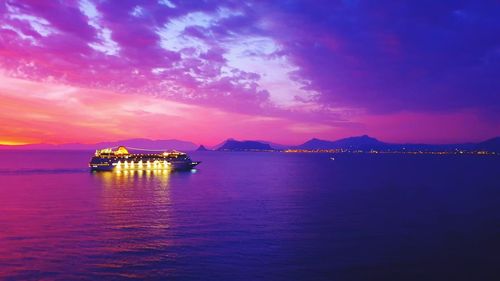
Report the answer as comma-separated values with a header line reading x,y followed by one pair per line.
x,y
89,71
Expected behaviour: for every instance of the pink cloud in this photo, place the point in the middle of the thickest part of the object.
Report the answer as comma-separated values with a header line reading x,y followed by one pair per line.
x,y
32,112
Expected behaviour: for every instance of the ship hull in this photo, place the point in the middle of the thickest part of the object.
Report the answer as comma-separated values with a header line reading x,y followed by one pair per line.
x,y
99,165
101,168
184,165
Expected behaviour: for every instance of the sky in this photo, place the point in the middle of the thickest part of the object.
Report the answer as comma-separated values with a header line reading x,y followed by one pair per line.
x,y
284,71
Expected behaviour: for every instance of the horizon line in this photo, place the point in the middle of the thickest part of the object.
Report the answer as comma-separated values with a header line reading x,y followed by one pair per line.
x,y
13,144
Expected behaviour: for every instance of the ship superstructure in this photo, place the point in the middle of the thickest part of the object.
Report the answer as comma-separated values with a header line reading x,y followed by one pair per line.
x,y
120,158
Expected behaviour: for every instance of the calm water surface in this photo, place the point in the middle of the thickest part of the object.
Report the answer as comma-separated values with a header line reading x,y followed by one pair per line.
x,y
252,216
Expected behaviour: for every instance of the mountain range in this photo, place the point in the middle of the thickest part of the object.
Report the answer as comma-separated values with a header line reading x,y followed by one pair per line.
x,y
365,143
362,142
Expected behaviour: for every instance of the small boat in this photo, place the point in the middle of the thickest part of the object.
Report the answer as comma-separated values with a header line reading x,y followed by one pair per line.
x,y
110,159
332,158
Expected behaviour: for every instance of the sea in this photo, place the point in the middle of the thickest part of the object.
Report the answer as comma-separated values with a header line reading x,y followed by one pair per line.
x,y
252,216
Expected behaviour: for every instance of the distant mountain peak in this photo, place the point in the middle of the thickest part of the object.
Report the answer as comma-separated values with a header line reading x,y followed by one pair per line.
x,y
358,142
315,140
234,145
202,148
363,137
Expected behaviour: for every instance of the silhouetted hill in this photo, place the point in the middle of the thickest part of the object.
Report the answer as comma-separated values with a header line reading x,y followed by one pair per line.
x,y
202,148
489,145
367,143
217,146
234,145
273,145
361,142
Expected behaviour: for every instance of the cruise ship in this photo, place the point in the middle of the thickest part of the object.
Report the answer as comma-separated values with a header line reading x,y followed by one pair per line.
x,y
117,159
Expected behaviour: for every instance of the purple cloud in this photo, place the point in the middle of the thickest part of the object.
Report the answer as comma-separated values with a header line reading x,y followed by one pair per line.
x,y
307,60
385,56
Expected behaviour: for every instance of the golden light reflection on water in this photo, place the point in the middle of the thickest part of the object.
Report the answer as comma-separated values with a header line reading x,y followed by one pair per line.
x,y
136,206
130,178
135,193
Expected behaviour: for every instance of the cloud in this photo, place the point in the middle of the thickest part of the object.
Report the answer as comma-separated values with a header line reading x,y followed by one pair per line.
x,y
338,64
204,55
104,43
32,112
388,57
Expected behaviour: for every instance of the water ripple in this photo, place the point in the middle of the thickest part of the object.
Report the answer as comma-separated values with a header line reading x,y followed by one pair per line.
x,y
41,171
